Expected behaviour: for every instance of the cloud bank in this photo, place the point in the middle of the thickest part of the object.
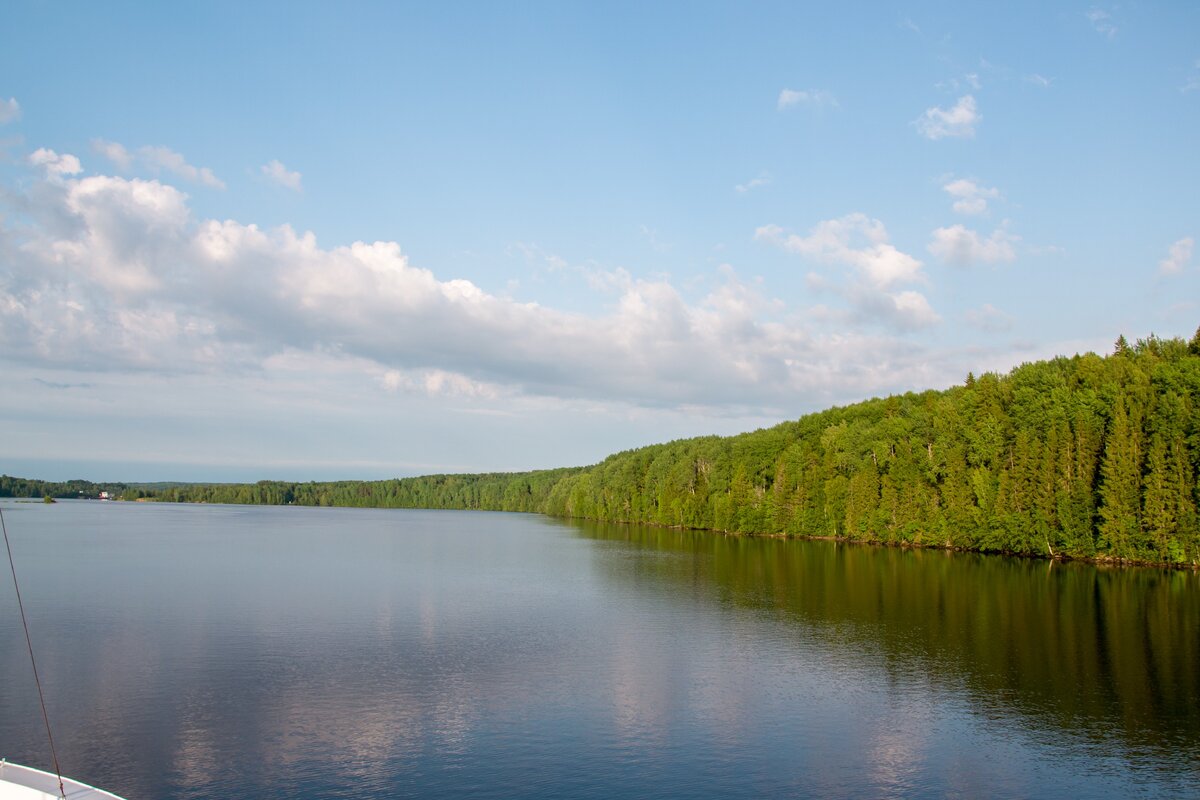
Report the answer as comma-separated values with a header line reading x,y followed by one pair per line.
x,y
116,273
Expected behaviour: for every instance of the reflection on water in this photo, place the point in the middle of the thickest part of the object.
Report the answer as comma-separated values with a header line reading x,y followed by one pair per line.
x,y
1097,652
205,652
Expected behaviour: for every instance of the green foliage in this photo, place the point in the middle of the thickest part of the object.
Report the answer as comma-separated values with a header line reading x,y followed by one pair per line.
x,y
1082,457
78,488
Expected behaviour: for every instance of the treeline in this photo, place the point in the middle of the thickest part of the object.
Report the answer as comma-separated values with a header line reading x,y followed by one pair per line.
x,y
28,487
1084,457
524,491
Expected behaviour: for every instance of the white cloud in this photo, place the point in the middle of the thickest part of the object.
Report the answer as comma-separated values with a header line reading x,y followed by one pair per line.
x,y
815,98
878,268
912,310
275,171
855,240
54,164
1178,257
1102,21
163,158
1038,80
762,180
156,160
963,247
10,111
127,240
988,318
114,152
969,197
958,121
127,279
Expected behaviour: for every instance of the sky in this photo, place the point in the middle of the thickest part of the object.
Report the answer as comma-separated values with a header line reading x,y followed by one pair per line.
x,y
311,241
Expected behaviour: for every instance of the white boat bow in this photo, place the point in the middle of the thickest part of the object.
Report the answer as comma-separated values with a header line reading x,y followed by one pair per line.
x,y
26,783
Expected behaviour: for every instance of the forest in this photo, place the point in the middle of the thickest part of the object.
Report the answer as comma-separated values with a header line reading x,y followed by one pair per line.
x,y
1078,457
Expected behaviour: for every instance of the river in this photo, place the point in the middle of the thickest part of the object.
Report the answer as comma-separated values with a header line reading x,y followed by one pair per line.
x,y
193,651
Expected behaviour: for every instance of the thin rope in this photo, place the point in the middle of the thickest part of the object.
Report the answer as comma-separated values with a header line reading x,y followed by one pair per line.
x,y
29,643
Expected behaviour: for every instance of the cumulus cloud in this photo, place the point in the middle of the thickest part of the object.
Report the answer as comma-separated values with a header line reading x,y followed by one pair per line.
x,y
878,267
957,121
1102,22
855,240
969,197
1178,257
10,111
275,171
55,165
963,247
126,278
815,98
903,310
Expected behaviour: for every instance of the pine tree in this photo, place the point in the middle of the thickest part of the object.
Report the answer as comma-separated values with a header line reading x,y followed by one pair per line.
x,y
1160,509
1120,493
1168,507
862,501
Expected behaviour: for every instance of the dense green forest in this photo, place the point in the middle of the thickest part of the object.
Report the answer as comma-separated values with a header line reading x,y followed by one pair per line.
x,y
1083,457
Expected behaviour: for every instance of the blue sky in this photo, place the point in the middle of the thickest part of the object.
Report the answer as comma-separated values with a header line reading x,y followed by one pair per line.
x,y
312,241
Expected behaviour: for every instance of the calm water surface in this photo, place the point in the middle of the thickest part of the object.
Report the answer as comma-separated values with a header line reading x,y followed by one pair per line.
x,y
222,651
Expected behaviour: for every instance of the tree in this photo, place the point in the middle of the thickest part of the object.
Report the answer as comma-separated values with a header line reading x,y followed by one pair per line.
x,y
1120,493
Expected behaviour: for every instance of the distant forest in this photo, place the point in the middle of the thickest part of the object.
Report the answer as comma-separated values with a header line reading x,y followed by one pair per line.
x,y
1080,457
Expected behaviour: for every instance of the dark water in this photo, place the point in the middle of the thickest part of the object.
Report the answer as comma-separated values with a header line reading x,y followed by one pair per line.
x,y
224,652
